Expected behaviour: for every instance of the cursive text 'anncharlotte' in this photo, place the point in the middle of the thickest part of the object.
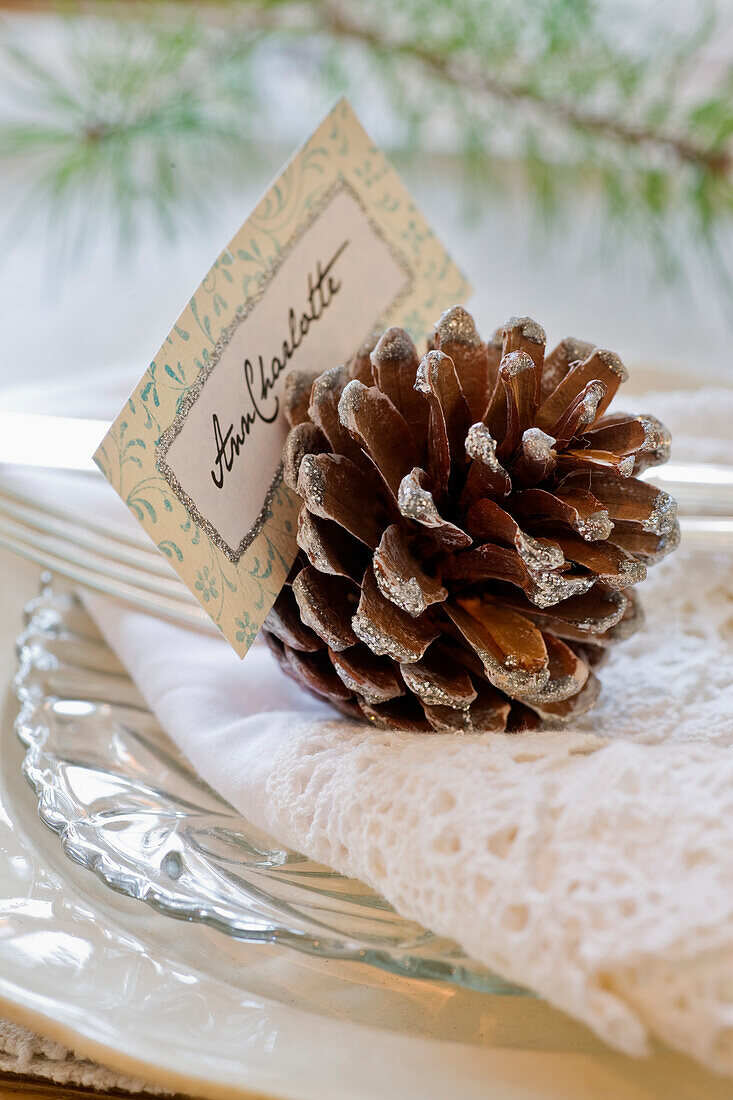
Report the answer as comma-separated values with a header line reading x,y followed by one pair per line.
x,y
260,377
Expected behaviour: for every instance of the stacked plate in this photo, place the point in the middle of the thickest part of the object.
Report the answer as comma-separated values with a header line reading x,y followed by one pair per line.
x,y
250,970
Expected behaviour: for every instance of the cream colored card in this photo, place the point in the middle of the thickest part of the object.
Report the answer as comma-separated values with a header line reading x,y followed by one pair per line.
x,y
335,249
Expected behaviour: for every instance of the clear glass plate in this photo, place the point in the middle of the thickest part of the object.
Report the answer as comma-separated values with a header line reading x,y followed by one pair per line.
x,y
126,805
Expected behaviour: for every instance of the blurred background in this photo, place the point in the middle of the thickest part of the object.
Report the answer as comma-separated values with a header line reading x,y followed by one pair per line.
x,y
575,156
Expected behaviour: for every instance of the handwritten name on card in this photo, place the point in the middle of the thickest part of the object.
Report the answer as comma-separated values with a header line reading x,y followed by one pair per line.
x,y
338,278
261,382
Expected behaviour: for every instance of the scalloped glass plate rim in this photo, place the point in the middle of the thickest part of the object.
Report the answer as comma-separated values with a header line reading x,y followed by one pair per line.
x,y
418,954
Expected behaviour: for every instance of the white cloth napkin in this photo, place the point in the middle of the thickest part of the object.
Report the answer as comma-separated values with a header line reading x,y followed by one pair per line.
x,y
594,866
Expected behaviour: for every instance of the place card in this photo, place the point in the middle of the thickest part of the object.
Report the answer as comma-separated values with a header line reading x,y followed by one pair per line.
x,y
334,250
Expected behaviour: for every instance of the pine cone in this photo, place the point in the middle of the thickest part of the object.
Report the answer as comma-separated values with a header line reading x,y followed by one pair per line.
x,y
470,529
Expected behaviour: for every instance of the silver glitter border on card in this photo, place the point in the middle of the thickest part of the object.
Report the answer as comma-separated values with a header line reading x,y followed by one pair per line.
x,y
242,312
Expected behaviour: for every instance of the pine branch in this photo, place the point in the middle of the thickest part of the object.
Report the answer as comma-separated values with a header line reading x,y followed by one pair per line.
x,y
684,150
546,84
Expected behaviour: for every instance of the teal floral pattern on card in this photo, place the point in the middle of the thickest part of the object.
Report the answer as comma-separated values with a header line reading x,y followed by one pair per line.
x,y
238,596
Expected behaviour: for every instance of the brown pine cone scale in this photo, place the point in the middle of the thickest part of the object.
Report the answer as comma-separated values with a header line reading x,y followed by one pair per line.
x,y
471,528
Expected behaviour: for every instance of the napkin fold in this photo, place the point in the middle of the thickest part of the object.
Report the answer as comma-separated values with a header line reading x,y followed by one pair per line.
x,y
594,865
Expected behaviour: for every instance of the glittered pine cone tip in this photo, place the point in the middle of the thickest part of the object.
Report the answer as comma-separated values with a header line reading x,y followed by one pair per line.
x,y
471,528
